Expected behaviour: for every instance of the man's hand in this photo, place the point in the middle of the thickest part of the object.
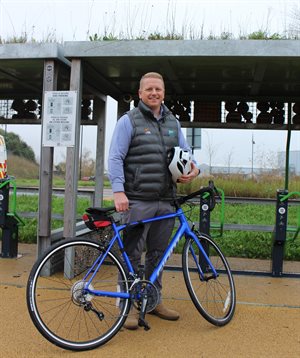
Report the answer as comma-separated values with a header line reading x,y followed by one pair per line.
x,y
121,201
191,176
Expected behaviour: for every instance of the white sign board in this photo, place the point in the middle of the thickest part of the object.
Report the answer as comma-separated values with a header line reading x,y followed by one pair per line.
x,y
59,117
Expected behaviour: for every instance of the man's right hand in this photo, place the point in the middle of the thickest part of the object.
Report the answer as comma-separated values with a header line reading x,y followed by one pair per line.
x,y
121,201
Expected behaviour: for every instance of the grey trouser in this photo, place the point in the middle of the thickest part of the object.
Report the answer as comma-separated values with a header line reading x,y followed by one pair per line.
x,y
155,235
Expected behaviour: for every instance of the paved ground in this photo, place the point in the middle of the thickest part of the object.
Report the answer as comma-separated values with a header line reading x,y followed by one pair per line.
x,y
266,323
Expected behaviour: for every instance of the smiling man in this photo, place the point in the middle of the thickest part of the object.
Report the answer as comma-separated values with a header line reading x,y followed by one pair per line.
x,y
152,92
140,179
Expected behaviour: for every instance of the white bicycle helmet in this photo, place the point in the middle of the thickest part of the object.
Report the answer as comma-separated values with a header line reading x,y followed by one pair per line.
x,y
180,162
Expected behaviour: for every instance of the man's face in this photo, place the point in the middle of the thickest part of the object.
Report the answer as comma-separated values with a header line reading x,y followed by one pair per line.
x,y
152,92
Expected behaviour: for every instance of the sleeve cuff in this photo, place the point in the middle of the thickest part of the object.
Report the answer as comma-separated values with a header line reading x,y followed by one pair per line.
x,y
117,187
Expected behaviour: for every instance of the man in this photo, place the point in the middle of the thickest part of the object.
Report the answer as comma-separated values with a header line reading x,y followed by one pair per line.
x,y
141,183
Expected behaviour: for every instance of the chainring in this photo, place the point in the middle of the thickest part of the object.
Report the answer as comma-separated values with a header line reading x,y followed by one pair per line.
x,y
145,289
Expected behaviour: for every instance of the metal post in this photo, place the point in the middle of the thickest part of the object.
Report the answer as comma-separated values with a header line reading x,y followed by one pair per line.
x,y
123,107
46,169
280,233
193,139
252,157
204,227
100,110
71,185
80,157
72,160
287,151
204,222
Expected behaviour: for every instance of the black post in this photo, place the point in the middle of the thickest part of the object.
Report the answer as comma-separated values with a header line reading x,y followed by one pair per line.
x,y
279,234
4,200
8,224
204,223
204,227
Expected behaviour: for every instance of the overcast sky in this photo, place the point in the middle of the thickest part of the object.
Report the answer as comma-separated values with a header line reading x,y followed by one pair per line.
x,y
71,20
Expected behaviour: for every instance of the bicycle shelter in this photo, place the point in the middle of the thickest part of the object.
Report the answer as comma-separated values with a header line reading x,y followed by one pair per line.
x,y
209,73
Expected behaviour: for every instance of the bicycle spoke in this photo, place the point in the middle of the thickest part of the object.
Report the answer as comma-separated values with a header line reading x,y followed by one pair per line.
x,y
63,311
214,297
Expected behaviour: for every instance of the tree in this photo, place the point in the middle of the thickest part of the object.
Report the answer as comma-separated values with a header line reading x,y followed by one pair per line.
x,y
87,166
294,25
211,150
229,159
16,146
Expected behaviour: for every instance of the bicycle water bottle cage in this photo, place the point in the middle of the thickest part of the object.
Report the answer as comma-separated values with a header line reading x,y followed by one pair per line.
x,y
97,218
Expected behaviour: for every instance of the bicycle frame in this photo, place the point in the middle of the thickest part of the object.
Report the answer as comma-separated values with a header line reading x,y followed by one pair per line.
x,y
183,229
81,292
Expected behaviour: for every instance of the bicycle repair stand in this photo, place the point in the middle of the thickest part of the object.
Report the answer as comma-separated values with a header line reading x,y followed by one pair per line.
x,y
204,222
204,225
279,237
9,222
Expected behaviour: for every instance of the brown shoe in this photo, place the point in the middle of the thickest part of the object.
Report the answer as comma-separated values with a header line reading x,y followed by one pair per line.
x,y
165,313
132,321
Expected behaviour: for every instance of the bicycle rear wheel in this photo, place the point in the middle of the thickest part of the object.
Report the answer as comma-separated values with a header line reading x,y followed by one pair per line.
x,y
62,311
213,296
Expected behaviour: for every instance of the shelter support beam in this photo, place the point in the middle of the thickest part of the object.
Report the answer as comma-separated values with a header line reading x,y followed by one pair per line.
x,y
46,168
100,111
122,107
288,143
72,159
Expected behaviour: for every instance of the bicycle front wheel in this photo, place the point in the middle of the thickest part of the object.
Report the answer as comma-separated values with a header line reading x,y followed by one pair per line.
x,y
59,305
213,295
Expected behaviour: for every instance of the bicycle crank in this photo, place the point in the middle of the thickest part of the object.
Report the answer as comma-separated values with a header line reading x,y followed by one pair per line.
x,y
142,291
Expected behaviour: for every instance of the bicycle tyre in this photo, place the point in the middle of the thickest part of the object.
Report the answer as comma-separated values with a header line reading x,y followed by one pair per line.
x,y
215,297
57,304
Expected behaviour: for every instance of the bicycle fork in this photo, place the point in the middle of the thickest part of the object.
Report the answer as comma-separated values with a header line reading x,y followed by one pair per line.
x,y
203,263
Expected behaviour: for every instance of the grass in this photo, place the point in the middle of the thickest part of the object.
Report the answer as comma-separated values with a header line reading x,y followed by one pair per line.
x,y
58,182
233,243
264,186
20,167
252,244
235,185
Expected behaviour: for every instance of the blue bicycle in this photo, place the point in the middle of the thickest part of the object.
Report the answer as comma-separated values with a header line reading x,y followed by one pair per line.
x,y
80,292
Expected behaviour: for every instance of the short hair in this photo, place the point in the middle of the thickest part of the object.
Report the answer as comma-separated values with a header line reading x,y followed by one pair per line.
x,y
152,75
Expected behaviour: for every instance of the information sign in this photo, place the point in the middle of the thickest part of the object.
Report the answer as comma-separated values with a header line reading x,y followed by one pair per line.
x,y
59,117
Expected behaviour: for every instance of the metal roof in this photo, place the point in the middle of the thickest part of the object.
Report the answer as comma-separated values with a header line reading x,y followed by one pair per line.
x,y
195,69
200,70
22,69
